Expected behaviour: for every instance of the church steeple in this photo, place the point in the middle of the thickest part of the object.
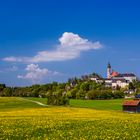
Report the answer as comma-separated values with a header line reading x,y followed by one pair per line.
x,y
108,71
108,66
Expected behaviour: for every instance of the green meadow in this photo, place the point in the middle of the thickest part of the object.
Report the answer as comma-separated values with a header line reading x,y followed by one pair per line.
x,y
115,104
26,119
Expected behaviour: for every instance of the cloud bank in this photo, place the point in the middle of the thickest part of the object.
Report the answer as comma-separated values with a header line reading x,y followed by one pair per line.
x,y
36,74
70,47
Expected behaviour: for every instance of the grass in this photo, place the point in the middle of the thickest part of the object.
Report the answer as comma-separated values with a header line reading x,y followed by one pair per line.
x,y
42,100
15,102
22,119
12,103
115,104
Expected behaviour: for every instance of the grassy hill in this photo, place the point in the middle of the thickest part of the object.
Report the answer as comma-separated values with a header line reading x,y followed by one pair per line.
x,y
15,103
115,104
24,119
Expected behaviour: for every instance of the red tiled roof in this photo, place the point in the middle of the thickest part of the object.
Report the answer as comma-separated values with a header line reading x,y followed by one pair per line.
x,y
114,73
131,103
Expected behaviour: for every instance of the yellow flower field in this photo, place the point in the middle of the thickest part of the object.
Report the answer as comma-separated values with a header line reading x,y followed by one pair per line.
x,y
65,123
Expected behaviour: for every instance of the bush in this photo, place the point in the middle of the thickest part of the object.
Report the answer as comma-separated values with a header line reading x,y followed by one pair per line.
x,y
104,94
80,94
7,92
73,93
57,99
92,94
118,94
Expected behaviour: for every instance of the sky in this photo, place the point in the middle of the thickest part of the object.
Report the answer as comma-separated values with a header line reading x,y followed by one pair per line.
x,y
42,41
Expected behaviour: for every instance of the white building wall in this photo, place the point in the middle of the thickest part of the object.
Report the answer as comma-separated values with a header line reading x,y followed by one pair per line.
x,y
131,79
120,84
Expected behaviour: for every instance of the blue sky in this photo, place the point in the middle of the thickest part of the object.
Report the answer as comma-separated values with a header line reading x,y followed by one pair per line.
x,y
51,40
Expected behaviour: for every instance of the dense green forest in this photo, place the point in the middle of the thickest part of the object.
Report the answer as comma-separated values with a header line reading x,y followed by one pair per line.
x,y
74,88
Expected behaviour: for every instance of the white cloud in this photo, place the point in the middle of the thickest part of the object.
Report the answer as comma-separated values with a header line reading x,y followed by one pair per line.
x,y
12,59
70,47
36,74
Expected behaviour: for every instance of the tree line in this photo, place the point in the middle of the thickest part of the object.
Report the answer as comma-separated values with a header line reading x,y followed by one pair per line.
x,y
74,88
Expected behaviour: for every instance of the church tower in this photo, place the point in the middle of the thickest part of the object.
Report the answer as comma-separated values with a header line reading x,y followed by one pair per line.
x,y
108,71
